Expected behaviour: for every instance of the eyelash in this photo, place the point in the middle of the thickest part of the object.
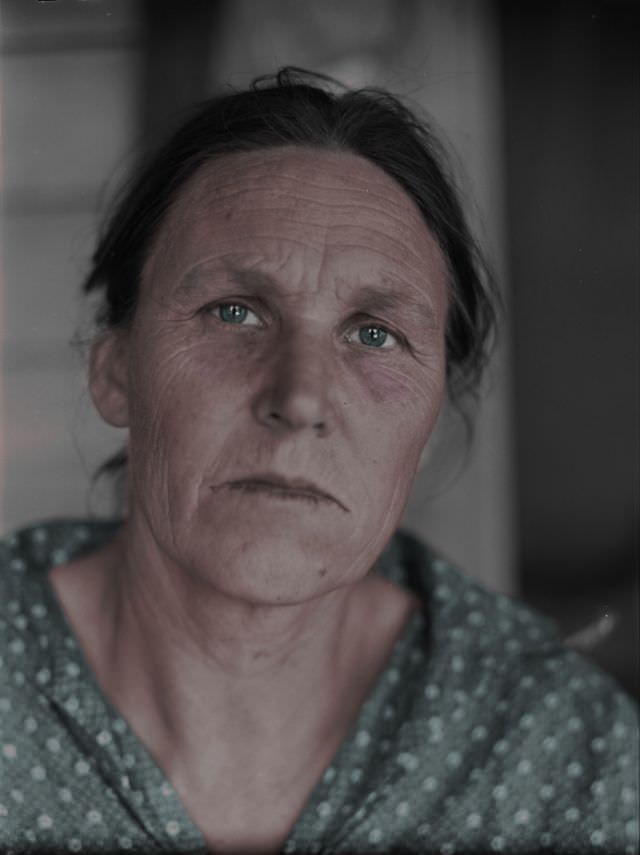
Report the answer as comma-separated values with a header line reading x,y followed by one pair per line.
x,y
212,307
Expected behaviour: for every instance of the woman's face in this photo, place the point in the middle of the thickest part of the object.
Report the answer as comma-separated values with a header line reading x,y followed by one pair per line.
x,y
291,321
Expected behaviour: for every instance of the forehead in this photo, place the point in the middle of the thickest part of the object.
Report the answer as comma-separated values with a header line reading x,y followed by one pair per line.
x,y
334,207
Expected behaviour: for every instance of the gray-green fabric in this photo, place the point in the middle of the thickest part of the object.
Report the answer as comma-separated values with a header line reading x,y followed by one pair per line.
x,y
482,734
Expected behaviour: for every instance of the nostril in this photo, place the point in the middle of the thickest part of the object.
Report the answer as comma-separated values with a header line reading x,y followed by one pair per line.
x,y
277,417
320,427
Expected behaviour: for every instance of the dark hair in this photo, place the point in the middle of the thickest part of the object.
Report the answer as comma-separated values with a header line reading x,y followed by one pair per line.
x,y
297,107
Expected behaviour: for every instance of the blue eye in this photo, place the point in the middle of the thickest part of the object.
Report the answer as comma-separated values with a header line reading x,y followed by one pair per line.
x,y
373,336
233,313
377,337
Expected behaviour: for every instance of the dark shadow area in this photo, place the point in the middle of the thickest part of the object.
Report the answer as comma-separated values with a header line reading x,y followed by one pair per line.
x,y
177,49
571,93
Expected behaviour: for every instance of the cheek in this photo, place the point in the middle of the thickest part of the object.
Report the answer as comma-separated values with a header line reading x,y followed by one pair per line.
x,y
413,395
156,390
390,384
405,407
164,402
185,397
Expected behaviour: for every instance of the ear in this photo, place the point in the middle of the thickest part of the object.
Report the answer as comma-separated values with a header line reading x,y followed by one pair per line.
x,y
108,378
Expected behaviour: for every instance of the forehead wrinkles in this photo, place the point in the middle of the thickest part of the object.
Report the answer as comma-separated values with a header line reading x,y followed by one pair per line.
x,y
310,198
297,179
325,169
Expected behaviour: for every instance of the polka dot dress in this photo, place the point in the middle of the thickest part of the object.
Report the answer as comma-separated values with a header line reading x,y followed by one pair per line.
x,y
483,734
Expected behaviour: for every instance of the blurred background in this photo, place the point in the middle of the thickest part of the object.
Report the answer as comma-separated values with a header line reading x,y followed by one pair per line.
x,y
539,102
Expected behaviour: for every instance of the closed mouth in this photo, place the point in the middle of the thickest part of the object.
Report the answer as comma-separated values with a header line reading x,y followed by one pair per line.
x,y
279,491
283,489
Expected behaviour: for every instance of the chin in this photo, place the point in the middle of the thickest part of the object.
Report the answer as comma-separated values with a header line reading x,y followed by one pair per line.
x,y
271,570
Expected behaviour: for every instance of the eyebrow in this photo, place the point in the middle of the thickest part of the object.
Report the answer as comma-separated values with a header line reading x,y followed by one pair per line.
x,y
196,280
370,298
375,299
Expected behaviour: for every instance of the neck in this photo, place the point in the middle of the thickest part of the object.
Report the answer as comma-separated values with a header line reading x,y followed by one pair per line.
x,y
187,632
255,698
189,666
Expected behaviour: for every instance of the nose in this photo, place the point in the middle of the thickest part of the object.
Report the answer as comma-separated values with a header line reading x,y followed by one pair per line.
x,y
296,389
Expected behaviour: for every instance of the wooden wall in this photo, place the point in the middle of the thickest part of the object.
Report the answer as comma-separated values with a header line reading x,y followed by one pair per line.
x,y
70,114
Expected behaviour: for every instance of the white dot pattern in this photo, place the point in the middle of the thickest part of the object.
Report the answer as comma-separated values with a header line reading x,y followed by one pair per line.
x,y
488,736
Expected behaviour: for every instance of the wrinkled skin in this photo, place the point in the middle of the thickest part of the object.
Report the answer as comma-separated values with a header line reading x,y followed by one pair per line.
x,y
291,388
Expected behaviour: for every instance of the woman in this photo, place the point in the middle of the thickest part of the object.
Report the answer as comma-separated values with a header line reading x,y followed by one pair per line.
x,y
254,660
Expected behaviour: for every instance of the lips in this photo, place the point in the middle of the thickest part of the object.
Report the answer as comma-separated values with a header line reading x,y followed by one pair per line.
x,y
294,486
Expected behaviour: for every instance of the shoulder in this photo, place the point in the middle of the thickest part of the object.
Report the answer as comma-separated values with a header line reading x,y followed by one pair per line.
x,y
35,548
30,619
488,641
462,613
547,737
